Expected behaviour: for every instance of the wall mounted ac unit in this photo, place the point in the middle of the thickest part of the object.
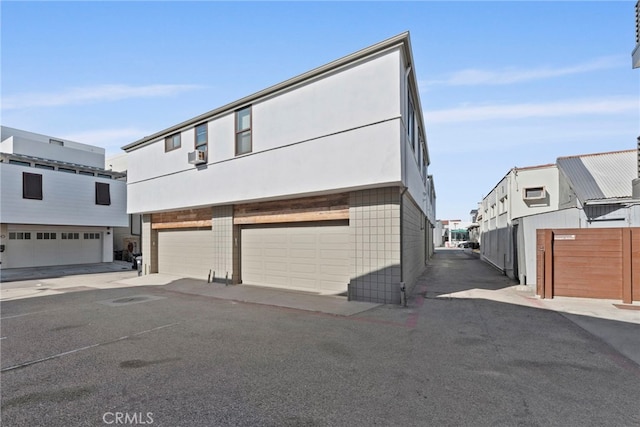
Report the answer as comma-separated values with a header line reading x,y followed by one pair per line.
x,y
197,157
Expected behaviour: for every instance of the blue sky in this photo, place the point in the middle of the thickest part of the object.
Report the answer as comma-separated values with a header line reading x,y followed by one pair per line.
x,y
502,84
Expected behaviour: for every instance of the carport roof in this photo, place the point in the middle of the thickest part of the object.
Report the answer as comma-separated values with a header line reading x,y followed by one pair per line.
x,y
601,176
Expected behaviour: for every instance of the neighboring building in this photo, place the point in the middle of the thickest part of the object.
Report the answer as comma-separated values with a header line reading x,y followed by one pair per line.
x,y
449,233
319,183
127,241
474,227
635,56
522,191
58,205
585,191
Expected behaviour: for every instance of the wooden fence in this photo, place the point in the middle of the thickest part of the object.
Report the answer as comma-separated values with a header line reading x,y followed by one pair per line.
x,y
589,263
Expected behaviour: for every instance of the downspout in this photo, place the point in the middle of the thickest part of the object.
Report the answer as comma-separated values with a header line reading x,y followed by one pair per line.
x,y
403,141
403,288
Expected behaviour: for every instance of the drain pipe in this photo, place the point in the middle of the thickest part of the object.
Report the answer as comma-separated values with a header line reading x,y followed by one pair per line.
x,y
403,295
403,290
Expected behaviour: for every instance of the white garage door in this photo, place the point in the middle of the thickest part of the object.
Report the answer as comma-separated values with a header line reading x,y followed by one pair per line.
x,y
35,248
313,258
187,253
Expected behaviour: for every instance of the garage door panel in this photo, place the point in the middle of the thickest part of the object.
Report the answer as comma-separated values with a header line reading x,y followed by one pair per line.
x,y
313,257
187,253
304,268
37,252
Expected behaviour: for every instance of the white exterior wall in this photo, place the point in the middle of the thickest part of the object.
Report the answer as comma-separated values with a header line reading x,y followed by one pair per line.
x,y
506,203
15,141
67,199
547,177
340,132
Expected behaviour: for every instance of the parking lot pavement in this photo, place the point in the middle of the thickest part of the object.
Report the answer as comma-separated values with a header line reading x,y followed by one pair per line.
x,y
173,355
57,271
22,283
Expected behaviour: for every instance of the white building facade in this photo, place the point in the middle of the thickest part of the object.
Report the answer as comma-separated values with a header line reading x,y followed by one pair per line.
x,y
522,192
319,183
584,191
58,204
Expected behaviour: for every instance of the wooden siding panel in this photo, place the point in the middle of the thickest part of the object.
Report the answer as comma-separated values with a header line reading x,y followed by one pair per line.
x,y
320,208
188,218
635,264
540,248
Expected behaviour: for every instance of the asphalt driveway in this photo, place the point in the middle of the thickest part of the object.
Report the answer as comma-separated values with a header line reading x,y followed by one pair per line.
x,y
166,355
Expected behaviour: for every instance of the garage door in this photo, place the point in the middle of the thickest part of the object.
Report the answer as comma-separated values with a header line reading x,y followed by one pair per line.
x,y
34,248
187,253
313,258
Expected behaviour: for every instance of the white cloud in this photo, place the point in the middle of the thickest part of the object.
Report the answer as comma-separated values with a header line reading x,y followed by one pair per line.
x,y
602,106
91,94
476,77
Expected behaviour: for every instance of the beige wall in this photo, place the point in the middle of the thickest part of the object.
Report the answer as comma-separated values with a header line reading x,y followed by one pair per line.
x,y
374,222
414,233
223,237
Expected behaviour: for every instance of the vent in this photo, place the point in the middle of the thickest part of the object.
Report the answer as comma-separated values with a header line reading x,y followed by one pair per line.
x,y
534,193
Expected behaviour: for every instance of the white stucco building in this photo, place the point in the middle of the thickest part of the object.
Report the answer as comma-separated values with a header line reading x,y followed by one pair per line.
x,y
522,191
583,191
58,204
319,183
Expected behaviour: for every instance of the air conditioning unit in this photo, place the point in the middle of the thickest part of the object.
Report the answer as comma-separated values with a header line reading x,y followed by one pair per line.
x,y
197,157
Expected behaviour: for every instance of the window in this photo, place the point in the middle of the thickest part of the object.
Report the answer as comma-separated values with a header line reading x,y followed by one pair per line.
x,y
101,175
411,124
243,131
172,142
87,173
56,142
103,196
39,166
67,170
19,163
91,236
31,186
20,236
201,137
534,193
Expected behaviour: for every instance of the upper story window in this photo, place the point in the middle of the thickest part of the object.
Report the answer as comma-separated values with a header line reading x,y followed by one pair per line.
x,y
56,142
172,142
103,196
19,163
243,131
31,186
411,124
201,137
